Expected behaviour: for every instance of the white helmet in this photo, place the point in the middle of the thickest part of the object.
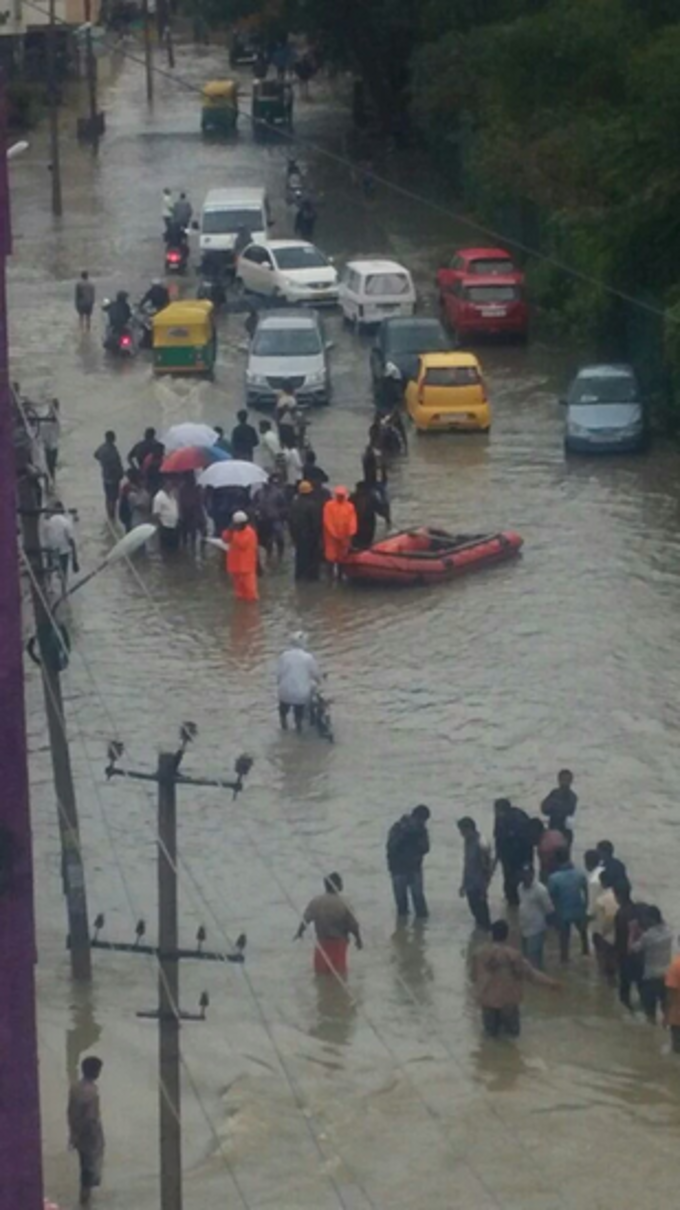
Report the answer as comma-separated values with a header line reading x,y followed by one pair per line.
x,y
392,371
298,639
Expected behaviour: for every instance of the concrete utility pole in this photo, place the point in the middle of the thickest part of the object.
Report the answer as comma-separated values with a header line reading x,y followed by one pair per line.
x,y
53,100
51,641
148,61
20,1149
91,68
168,1013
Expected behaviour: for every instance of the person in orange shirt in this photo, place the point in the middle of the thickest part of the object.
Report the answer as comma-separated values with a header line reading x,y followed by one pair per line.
x,y
339,527
671,1016
242,557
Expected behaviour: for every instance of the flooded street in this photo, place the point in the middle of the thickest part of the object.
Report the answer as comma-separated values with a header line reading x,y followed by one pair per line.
x,y
298,1096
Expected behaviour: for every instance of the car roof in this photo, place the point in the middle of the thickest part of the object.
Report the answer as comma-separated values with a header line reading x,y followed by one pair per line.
x,y
612,370
490,252
234,197
449,359
370,265
306,319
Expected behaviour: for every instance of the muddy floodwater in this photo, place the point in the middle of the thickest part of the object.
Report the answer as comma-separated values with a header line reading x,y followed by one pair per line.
x,y
300,1095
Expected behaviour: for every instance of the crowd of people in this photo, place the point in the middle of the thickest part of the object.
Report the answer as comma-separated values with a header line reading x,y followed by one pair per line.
x,y
295,504
544,888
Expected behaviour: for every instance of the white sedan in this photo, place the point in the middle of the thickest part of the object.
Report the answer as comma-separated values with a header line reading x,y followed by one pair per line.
x,y
288,269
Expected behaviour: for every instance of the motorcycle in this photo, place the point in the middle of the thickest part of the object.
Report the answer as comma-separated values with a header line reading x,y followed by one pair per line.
x,y
122,342
320,715
176,258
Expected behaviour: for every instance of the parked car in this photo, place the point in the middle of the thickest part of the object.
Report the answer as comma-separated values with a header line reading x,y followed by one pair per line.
x,y
288,269
605,412
372,289
400,341
288,346
482,292
476,262
448,393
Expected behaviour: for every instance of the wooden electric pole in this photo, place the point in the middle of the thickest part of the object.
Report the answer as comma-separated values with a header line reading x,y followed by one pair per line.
x,y
168,1014
148,61
53,101
51,642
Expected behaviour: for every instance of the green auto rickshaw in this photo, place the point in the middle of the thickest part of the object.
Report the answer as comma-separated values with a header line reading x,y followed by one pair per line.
x,y
219,112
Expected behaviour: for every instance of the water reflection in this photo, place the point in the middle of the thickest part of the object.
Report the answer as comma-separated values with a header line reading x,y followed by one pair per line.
x,y
335,1012
498,1065
409,962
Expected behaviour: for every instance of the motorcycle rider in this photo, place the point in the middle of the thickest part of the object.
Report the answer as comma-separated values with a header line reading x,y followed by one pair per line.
x,y
119,313
305,220
157,296
243,238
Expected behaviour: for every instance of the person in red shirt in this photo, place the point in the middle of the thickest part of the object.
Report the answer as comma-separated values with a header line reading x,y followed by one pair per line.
x,y
242,557
339,527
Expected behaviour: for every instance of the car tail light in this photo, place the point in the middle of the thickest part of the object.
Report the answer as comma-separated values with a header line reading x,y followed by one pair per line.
x,y
173,257
125,341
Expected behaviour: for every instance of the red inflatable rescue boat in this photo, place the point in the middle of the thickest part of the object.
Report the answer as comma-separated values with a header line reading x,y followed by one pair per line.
x,y
426,556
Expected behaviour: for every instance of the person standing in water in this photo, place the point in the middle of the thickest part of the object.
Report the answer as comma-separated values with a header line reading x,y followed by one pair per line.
x,y
334,923
408,843
85,1132
477,869
499,973
560,804
242,557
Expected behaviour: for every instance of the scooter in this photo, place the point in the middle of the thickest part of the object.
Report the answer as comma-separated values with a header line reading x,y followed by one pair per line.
x,y
176,258
122,342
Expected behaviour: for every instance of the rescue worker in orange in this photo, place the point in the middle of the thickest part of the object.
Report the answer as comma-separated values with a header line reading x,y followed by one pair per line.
x,y
339,527
242,557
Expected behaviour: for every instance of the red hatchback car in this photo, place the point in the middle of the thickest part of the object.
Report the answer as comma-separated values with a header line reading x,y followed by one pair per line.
x,y
482,293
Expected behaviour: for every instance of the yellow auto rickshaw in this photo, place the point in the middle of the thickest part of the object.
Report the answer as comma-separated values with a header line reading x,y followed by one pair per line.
x,y
219,110
184,338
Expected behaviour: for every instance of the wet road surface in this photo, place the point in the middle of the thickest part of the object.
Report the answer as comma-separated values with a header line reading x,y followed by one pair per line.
x,y
299,1095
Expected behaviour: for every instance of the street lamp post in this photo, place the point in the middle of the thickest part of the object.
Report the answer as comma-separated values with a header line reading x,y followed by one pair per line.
x,y
20,1149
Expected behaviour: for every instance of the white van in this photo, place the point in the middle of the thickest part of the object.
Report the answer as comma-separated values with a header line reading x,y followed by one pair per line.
x,y
370,290
225,212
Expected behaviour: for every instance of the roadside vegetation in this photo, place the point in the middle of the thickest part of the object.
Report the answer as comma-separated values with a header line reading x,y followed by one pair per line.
x,y
557,123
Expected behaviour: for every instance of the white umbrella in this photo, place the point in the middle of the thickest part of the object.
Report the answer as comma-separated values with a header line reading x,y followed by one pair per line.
x,y
232,474
181,435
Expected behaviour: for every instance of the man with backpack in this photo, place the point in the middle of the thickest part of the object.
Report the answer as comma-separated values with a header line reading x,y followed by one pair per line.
x,y
408,842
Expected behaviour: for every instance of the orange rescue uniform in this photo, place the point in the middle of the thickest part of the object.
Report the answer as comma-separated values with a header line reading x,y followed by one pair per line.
x,y
241,561
339,527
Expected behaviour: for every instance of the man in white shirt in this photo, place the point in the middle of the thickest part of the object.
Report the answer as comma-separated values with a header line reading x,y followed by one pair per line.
x,y
165,512
58,537
271,454
535,906
297,675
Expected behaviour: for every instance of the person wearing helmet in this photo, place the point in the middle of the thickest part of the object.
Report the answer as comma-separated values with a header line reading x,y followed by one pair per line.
x,y
339,527
157,296
297,675
242,557
119,312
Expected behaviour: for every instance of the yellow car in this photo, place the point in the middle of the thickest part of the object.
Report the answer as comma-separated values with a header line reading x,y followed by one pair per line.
x,y
448,393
